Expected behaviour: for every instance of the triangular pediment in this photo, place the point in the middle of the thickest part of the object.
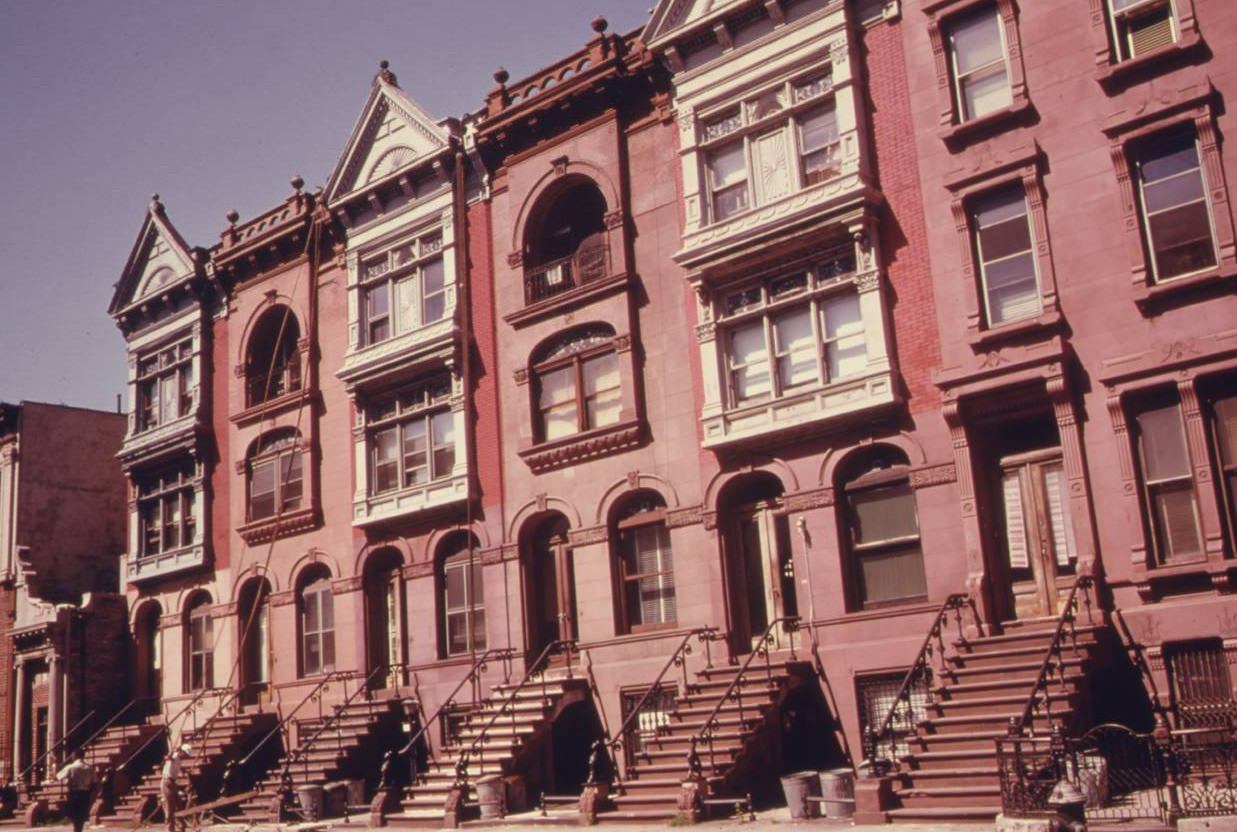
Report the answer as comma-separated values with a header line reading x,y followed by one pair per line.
x,y
392,134
160,258
673,16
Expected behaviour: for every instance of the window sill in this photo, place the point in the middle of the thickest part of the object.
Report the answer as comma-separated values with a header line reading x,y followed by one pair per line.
x,y
405,502
1152,298
1115,76
431,342
1044,324
957,135
180,434
279,404
1151,582
556,304
283,525
145,567
578,447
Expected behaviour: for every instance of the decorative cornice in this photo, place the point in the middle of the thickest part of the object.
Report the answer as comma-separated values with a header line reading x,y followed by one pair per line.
x,y
284,525
572,449
804,500
353,583
587,536
934,475
688,516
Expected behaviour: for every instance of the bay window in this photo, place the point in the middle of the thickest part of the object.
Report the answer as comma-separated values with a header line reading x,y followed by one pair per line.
x,y
1005,251
412,437
1176,217
403,288
165,385
577,384
979,59
792,332
165,509
780,140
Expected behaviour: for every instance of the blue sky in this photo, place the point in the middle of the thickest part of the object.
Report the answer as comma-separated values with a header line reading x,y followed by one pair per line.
x,y
214,104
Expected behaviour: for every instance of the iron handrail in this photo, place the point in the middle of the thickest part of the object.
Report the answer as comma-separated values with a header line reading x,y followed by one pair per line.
x,y
113,720
165,728
1066,617
283,723
733,691
543,657
678,658
478,667
875,738
303,747
21,777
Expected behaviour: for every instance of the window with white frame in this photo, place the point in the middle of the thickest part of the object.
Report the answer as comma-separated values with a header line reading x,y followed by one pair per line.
x,y
411,437
317,619
780,140
1141,26
165,509
402,289
165,384
1005,252
201,643
791,333
979,64
1176,216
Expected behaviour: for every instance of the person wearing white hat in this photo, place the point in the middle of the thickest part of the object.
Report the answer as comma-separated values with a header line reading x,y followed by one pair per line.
x,y
168,784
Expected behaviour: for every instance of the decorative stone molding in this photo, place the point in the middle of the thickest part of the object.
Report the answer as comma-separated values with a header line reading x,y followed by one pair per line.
x,y
493,555
353,583
934,475
587,536
806,500
515,259
283,599
520,375
223,610
579,447
421,569
688,516
1112,74
284,525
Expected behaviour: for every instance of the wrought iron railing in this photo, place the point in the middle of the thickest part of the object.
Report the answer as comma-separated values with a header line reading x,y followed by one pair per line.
x,y
329,721
535,669
1054,665
1123,776
420,740
37,765
901,717
607,749
589,262
761,649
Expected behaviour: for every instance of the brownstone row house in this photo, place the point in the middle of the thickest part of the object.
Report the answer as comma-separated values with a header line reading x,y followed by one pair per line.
x,y
661,410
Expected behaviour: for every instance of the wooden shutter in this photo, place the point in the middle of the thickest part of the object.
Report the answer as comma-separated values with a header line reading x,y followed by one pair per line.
x,y
1058,514
1015,522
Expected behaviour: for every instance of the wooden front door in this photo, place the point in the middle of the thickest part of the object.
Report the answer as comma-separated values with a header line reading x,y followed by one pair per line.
x,y
1037,535
760,571
549,582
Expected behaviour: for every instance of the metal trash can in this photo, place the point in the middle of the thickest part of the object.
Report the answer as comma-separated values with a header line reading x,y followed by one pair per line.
x,y
311,800
491,794
798,787
837,792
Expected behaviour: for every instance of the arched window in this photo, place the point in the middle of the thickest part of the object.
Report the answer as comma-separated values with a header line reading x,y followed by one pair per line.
x,y
272,363
317,618
577,383
200,642
276,483
886,559
566,241
645,564
462,593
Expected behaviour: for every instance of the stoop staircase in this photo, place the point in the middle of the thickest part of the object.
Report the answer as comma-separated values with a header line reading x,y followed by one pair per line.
x,y
725,729
1025,680
348,744
224,736
503,735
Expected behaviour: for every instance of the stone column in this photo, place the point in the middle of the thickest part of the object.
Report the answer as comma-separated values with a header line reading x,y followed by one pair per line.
x,y
55,710
19,713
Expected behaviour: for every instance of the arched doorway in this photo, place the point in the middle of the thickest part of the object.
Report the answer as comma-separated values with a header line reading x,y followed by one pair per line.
x,y
254,621
149,670
549,586
384,631
759,570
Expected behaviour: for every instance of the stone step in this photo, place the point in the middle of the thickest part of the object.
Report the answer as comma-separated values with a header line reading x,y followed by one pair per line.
x,y
960,776
1021,638
945,814
926,797
988,672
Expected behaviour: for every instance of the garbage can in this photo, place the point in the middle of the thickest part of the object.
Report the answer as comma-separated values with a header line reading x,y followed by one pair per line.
x,y
310,798
798,787
491,794
837,792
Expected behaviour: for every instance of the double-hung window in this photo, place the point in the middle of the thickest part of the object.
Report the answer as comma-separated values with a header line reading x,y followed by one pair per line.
x,y
1222,416
165,385
782,139
1141,26
578,385
1170,501
646,566
412,437
1005,251
980,64
165,508
1177,223
403,288
791,333
276,484
201,645
463,600
887,558
317,627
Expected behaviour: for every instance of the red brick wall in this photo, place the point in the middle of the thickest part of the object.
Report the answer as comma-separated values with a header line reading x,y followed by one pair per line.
x,y
7,599
904,237
487,436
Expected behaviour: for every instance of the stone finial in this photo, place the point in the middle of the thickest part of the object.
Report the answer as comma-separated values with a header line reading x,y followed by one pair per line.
x,y
600,24
501,76
297,183
385,74
155,205
232,216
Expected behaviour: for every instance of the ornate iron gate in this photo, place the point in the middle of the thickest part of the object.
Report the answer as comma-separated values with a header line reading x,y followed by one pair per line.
x,y
1122,773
